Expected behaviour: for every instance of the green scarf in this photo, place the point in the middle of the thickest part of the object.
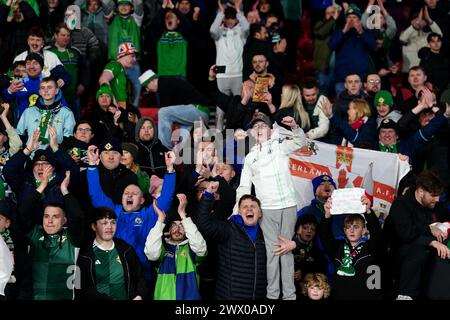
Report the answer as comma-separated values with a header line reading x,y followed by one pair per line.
x,y
5,234
43,125
320,206
346,268
2,189
384,148
37,182
46,118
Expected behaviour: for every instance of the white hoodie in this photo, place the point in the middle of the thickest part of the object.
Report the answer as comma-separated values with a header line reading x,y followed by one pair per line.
x,y
267,167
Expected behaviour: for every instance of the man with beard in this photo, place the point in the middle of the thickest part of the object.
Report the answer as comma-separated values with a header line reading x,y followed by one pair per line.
x,y
118,273
411,217
260,64
134,220
179,256
312,101
150,156
372,85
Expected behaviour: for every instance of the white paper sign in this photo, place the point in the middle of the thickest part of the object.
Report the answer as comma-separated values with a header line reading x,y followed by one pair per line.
x,y
347,200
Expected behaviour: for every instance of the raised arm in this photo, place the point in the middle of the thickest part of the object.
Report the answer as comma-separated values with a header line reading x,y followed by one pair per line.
x,y
168,188
153,245
196,241
210,227
75,216
98,197
15,143
298,138
326,232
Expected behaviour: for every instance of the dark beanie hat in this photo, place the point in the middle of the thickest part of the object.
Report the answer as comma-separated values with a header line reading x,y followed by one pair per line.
x,y
36,56
44,155
323,178
388,124
111,144
131,148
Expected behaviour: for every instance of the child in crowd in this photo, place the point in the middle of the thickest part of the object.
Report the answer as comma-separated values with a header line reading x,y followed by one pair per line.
x,y
315,286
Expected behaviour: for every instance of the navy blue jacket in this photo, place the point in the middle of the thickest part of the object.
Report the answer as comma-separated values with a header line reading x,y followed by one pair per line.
x,y
23,184
352,52
365,137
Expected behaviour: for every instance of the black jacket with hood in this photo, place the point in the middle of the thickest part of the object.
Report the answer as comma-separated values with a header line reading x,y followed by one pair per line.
x,y
150,155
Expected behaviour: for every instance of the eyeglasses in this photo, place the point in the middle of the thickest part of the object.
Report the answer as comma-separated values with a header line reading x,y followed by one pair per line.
x,y
84,129
374,81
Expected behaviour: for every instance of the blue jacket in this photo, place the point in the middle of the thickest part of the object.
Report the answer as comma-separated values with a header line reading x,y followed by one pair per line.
x,y
22,98
352,52
364,137
62,119
133,227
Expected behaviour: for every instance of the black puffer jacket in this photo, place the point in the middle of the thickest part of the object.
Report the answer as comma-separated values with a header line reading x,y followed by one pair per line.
x,y
365,261
133,276
241,273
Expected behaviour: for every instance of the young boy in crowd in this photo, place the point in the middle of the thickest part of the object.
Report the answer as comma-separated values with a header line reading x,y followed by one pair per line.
x,y
49,110
308,257
355,258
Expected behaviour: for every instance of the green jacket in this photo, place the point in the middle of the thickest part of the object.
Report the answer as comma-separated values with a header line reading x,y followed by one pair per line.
x,y
323,30
53,256
123,30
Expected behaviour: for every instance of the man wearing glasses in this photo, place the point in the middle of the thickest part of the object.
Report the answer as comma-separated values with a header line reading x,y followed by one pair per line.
x,y
371,86
77,145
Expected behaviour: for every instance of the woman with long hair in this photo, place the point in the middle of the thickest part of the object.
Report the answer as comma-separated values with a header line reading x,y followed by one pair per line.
x,y
291,105
360,131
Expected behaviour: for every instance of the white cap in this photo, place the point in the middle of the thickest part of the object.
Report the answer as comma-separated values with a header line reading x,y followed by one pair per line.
x,y
146,77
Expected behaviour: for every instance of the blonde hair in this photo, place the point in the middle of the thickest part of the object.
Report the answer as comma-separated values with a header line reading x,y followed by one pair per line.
x,y
291,97
362,108
319,280
134,167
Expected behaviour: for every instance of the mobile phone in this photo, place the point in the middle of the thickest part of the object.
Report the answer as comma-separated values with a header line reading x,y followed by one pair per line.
x,y
220,69
17,80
